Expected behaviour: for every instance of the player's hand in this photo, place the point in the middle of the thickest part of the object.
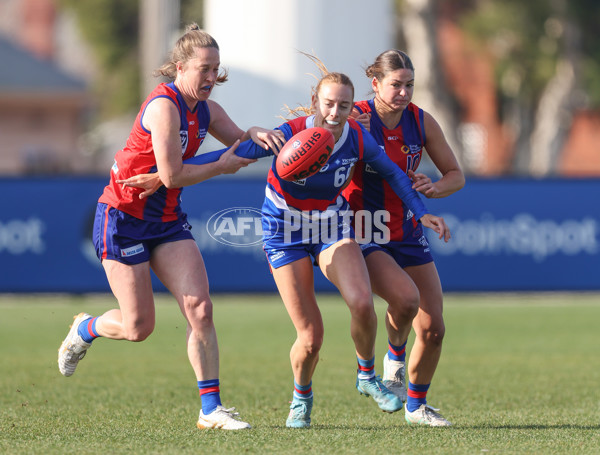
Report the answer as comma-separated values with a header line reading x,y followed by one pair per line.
x,y
423,184
230,163
364,119
438,224
267,139
150,183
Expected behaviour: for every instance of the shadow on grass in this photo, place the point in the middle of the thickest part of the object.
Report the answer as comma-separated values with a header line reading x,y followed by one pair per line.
x,y
561,426
319,427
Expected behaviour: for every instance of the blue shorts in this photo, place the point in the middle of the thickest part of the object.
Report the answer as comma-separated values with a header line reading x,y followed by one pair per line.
x,y
283,246
414,250
129,240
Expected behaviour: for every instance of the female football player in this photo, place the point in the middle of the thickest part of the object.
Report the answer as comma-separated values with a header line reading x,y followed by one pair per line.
x,y
133,235
402,270
316,205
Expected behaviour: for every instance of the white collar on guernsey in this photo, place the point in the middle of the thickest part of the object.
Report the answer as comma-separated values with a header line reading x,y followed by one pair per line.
x,y
310,123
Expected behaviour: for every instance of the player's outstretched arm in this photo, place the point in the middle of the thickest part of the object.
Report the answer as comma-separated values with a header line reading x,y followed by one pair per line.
x,y
267,139
202,167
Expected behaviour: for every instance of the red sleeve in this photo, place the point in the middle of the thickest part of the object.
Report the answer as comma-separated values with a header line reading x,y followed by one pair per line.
x,y
362,106
296,125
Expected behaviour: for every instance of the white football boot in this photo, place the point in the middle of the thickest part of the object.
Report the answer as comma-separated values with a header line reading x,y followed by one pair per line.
x,y
394,377
225,419
426,415
73,348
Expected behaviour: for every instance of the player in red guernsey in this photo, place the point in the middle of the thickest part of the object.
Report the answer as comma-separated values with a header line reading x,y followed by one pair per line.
x,y
402,270
134,235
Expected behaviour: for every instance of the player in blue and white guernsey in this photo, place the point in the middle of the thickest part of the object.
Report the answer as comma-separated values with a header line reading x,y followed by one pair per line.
x,y
402,270
310,221
134,235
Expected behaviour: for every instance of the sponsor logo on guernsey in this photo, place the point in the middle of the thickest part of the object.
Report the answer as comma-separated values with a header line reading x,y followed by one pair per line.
x,y
132,250
392,138
115,167
184,141
409,214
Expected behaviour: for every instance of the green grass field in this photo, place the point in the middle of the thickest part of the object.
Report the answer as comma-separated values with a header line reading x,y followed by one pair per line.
x,y
519,374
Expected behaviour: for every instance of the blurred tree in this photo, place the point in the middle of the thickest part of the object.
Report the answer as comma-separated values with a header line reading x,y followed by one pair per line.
x,y
416,28
537,51
545,57
192,11
111,27
584,16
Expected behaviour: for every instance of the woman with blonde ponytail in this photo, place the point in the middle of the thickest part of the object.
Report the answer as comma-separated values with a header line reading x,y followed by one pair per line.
x,y
136,232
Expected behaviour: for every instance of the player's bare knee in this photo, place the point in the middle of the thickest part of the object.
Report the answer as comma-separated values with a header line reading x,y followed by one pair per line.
x,y
312,346
311,340
199,310
365,313
403,308
139,333
403,302
434,335
360,302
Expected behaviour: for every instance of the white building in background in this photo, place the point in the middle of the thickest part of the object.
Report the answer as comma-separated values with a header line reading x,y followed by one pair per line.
x,y
260,42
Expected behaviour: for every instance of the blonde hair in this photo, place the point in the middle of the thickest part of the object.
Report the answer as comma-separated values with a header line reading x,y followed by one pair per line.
x,y
184,50
327,77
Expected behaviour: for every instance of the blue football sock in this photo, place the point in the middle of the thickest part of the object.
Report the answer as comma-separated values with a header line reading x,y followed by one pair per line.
x,y
397,353
366,368
210,395
416,396
303,392
87,330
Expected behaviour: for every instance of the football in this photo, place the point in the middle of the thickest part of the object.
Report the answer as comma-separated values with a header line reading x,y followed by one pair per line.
x,y
304,154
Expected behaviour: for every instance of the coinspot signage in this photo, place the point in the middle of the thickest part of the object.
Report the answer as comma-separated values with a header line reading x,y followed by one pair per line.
x,y
521,235
506,235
